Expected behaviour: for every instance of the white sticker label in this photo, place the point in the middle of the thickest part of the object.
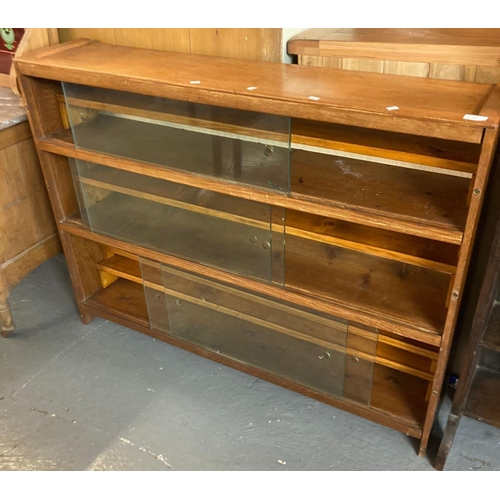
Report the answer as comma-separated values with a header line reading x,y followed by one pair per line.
x,y
392,108
251,88
313,98
475,118
195,82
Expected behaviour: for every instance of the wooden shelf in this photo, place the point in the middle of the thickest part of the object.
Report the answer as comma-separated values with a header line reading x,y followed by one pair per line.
x,y
405,328
344,97
379,230
368,200
396,394
402,149
388,244
281,317
408,294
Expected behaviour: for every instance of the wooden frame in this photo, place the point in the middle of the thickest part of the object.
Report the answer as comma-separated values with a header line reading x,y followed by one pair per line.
x,y
412,345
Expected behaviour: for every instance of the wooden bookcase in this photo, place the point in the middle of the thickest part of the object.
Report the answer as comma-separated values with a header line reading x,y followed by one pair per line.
x,y
287,221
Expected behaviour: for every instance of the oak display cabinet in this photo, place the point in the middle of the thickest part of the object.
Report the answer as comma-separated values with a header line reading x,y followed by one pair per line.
x,y
308,226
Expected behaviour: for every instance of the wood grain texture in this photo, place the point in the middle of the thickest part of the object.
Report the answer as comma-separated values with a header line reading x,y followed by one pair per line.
x,y
286,87
26,219
118,300
246,43
436,45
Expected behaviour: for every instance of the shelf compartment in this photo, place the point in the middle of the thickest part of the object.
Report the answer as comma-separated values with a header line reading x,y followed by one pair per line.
x,y
60,143
436,202
368,283
403,329
397,399
364,343
184,227
184,136
388,244
402,149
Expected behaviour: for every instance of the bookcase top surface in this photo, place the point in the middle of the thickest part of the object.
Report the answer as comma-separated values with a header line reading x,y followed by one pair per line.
x,y
292,90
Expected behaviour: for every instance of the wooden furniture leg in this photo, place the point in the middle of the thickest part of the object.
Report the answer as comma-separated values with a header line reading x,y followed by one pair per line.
x,y
6,322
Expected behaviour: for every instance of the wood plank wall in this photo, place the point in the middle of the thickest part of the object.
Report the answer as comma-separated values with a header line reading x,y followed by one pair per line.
x,y
247,43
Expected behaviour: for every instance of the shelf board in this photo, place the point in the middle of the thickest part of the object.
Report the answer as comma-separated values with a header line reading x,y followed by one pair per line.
x,y
390,403
426,106
403,190
368,283
124,298
389,146
387,244
404,328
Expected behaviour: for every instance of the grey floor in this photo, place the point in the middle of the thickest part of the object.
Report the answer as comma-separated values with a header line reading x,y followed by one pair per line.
x,y
103,397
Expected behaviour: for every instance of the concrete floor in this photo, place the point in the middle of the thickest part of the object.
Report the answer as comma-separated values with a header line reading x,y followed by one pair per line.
x,y
103,397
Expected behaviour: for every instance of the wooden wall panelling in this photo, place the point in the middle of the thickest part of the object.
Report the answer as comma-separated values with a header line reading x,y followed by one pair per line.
x,y
247,43
176,39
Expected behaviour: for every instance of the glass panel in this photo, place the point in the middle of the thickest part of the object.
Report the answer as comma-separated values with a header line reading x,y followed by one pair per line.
x,y
155,295
84,198
234,145
280,338
360,363
195,224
